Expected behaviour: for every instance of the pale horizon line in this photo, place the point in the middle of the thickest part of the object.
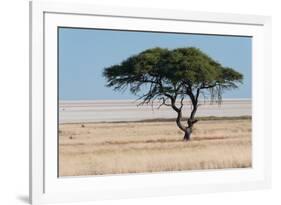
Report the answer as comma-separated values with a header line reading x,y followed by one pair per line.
x,y
126,100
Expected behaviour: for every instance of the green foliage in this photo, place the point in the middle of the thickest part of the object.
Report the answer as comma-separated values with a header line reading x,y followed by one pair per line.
x,y
177,73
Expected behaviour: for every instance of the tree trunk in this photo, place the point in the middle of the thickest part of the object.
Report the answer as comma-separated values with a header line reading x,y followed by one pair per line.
x,y
191,121
187,134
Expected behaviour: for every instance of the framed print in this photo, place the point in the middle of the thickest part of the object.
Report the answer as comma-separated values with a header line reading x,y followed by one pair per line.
x,y
129,102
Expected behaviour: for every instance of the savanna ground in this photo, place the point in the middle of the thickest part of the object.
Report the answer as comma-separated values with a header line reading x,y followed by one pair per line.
x,y
133,147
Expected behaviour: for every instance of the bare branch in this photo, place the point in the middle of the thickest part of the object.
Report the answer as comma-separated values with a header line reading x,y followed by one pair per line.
x,y
178,121
164,102
181,102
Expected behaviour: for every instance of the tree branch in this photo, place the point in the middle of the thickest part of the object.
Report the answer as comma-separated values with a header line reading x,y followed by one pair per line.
x,y
164,102
181,106
203,86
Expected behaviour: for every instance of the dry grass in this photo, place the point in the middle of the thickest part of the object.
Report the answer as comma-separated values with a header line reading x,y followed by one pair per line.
x,y
114,148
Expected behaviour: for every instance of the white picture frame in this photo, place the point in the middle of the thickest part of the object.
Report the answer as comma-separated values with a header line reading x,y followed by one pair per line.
x,y
45,186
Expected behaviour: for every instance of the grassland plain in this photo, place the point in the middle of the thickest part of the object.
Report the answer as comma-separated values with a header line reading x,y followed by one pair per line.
x,y
153,146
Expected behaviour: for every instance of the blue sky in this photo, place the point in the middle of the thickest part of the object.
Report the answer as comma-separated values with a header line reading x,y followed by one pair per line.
x,y
84,53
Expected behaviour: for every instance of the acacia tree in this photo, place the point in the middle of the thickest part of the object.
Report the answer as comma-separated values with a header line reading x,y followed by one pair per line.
x,y
171,76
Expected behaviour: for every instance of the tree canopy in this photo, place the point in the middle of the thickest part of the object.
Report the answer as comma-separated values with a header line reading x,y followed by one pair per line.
x,y
173,75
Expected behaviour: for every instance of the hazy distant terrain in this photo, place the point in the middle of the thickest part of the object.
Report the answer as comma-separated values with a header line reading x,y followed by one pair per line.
x,y
127,110
114,148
